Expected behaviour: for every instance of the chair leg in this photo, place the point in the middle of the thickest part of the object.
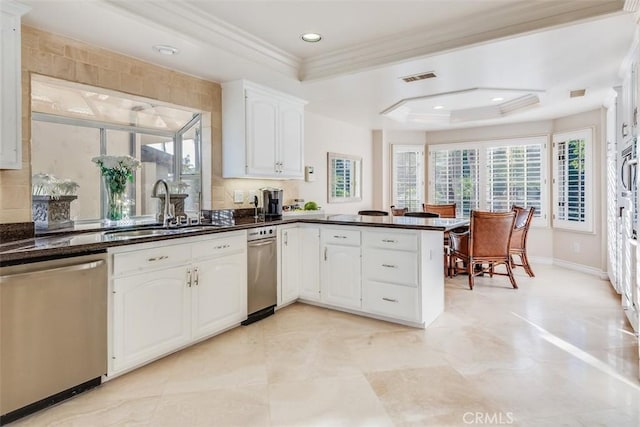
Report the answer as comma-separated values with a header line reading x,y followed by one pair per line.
x,y
511,278
525,264
470,272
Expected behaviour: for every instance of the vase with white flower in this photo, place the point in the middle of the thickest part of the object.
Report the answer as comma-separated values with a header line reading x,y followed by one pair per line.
x,y
117,171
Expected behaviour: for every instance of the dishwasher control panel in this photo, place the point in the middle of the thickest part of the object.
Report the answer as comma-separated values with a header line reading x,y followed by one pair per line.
x,y
261,233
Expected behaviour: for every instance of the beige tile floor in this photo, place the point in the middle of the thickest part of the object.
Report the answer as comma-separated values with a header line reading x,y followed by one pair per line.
x,y
555,352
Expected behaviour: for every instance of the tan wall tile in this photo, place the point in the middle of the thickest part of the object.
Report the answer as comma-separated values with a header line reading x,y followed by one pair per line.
x,y
15,177
120,65
15,215
131,84
98,60
109,78
52,44
15,196
38,62
86,73
64,68
76,53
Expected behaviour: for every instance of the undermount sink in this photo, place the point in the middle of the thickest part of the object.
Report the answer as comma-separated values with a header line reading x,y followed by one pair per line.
x,y
150,232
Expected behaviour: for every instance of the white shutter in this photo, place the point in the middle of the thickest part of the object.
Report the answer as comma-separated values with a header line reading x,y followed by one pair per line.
x,y
455,178
514,177
572,180
408,176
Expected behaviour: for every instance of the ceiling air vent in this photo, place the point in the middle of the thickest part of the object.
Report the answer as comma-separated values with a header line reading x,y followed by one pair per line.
x,y
421,76
577,93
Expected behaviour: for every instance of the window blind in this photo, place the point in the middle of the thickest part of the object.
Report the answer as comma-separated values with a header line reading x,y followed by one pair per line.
x,y
570,180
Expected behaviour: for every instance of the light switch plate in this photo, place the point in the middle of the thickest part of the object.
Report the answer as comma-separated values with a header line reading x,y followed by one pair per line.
x,y
238,196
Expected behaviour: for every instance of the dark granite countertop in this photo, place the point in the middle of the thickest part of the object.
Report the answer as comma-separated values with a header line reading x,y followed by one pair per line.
x,y
63,244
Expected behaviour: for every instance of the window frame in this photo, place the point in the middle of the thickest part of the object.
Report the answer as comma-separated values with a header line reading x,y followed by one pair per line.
x,y
420,172
541,221
586,226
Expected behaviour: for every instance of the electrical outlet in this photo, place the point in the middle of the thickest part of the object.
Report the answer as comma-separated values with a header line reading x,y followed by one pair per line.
x,y
576,247
238,196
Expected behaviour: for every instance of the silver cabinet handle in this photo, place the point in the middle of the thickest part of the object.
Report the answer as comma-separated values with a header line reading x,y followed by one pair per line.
x,y
389,266
325,253
286,238
339,236
189,277
157,258
222,246
389,241
197,278
389,299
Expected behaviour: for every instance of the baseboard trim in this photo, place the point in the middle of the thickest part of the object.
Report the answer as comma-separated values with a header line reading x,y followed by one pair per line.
x,y
570,266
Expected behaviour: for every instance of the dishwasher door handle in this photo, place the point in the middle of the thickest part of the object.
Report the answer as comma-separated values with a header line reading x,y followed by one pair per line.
x,y
261,243
65,269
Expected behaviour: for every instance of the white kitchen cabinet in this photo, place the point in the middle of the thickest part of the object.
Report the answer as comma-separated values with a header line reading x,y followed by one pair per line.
x,y
166,295
219,283
151,316
10,84
309,263
290,272
262,132
341,269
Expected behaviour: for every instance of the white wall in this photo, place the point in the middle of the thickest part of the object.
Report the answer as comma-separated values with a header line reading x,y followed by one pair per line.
x,y
323,135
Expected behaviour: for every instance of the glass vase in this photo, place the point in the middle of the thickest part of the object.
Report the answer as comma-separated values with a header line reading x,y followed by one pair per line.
x,y
115,204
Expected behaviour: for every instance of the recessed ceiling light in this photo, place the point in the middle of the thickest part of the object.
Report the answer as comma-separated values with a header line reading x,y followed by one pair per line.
x,y
164,49
438,107
497,98
311,37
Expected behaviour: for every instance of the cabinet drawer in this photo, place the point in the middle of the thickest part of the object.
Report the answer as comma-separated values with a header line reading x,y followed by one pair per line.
x,y
150,259
391,300
220,246
399,241
397,267
341,237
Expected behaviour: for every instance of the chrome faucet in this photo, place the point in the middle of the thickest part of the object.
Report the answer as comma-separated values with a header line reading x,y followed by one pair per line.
x,y
167,216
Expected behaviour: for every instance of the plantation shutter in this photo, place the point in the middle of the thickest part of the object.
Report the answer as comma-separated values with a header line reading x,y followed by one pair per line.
x,y
456,179
408,177
514,177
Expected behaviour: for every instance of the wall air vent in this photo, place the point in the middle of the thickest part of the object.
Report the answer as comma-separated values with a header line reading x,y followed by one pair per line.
x,y
421,76
577,93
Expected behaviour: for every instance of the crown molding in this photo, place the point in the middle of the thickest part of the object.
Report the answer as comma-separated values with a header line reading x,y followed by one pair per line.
x,y
183,18
187,20
505,22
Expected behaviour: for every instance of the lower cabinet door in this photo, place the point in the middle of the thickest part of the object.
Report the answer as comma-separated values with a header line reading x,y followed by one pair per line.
x,y
289,265
219,288
151,316
341,276
310,263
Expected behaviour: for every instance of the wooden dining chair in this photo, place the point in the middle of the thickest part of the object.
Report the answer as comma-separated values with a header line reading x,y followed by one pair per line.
x,y
373,213
422,214
444,210
518,246
486,242
398,211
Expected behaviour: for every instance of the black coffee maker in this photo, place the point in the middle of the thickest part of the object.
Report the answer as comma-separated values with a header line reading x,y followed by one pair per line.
x,y
272,200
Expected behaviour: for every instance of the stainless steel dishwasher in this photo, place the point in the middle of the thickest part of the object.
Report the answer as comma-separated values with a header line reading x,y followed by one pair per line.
x,y
53,332
262,267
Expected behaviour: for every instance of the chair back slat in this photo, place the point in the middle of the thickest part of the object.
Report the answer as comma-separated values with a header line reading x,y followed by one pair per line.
x,y
491,233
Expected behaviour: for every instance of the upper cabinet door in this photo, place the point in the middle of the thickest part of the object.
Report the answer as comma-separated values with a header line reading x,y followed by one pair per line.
x,y
291,140
10,85
262,133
